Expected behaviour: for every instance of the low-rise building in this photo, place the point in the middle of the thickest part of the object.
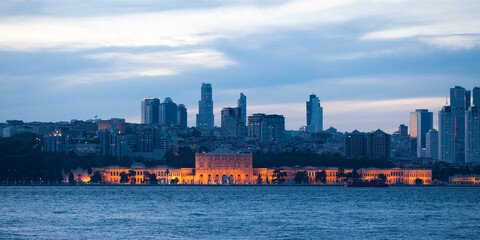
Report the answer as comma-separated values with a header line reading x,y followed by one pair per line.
x,y
465,179
398,175
227,167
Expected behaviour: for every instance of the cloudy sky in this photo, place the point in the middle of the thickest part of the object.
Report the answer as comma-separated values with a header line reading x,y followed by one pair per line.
x,y
370,62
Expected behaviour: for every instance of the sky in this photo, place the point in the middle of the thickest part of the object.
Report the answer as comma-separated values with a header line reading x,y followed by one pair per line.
x,y
371,63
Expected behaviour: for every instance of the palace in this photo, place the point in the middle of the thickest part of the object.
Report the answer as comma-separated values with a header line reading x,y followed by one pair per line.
x,y
226,167
465,179
398,175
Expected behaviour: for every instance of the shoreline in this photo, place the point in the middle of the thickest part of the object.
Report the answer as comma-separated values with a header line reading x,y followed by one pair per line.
x,y
214,185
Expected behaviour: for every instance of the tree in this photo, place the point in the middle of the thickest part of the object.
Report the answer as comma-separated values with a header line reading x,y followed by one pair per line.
x,y
151,178
97,177
193,173
71,178
259,179
279,176
174,181
321,177
352,175
467,170
355,173
124,177
340,174
131,176
301,177
418,181
382,177
167,172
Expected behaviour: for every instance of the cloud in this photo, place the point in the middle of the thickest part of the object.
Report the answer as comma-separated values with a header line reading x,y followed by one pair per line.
x,y
443,24
447,35
202,58
446,24
152,64
361,55
87,77
171,28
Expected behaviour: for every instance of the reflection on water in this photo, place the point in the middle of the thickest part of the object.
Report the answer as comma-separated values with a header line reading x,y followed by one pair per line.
x,y
263,212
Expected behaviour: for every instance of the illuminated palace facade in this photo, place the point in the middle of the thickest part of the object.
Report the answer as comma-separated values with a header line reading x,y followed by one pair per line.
x,y
227,167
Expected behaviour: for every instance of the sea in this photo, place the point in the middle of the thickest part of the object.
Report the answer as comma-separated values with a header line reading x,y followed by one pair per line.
x,y
238,212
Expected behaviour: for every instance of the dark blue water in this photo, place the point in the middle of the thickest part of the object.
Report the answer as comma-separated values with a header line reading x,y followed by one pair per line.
x,y
185,212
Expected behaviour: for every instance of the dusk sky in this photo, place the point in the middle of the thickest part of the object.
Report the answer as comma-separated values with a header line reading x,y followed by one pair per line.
x,y
370,62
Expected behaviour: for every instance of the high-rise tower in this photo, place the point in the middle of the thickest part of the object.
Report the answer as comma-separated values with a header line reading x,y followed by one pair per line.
x,y
432,144
168,112
476,96
232,124
150,110
267,128
446,135
421,121
182,115
454,125
458,104
205,117
242,104
472,135
314,115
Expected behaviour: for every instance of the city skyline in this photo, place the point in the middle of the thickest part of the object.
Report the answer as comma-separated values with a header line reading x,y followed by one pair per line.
x,y
217,122
370,61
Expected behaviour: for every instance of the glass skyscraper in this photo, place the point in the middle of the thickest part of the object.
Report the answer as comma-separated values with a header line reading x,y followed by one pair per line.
x,y
205,117
314,115
421,121
459,104
168,112
150,110
472,135
232,124
242,104
182,116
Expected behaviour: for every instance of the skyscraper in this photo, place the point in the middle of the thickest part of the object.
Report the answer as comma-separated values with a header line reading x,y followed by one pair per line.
x,y
378,145
446,136
421,121
273,128
403,131
150,108
205,117
242,104
458,103
168,112
267,128
355,145
476,96
314,115
232,124
432,144
255,125
468,99
472,135
182,116
112,143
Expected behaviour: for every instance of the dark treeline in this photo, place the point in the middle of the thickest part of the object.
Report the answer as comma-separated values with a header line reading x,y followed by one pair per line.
x,y
269,159
184,158
21,159
442,171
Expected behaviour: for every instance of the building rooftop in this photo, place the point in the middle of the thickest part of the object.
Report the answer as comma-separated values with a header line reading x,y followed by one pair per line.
x,y
134,165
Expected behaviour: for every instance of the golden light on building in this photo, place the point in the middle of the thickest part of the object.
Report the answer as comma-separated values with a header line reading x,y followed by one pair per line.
x,y
228,168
